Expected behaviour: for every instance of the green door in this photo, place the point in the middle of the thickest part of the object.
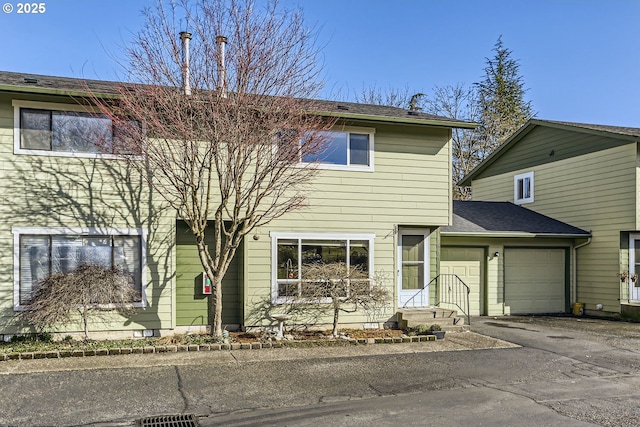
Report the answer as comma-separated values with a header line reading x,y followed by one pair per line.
x,y
192,306
468,264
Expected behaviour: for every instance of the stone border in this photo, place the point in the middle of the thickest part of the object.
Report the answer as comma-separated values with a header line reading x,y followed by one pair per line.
x,y
59,354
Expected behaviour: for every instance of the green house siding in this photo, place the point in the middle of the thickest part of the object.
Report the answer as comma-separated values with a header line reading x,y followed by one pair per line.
x,y
546,145
192,306
409,187
67,193
593,191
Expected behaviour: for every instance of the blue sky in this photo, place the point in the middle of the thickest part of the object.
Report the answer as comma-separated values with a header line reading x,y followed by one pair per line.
x,y
580,59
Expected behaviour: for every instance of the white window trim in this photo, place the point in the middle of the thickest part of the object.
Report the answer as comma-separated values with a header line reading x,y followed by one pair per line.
x,y
348,167
92,231
632,248
17,149
278,235
517,178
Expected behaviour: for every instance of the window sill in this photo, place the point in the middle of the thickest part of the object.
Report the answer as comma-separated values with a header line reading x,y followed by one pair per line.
x,y
328,166
68,154
106,307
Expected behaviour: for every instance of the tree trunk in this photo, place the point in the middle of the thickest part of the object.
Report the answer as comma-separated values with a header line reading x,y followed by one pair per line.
x,y
216,306
85,320
215,299
336,313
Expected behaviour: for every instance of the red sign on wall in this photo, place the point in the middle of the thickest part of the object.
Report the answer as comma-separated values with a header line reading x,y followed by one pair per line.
x,y
206,284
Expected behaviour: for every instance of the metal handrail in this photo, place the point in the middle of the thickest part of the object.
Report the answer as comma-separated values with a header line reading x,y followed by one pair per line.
x,y
421,292
450,289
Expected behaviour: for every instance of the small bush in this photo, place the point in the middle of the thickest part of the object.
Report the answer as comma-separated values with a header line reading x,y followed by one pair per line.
x,y
423,329
39,337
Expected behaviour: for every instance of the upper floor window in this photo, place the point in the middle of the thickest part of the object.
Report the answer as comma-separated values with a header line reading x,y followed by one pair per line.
x,y
352,149
62,130
523,188
69,131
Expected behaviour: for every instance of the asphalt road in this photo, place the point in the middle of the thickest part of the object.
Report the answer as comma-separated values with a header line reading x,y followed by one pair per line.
x,y
565,372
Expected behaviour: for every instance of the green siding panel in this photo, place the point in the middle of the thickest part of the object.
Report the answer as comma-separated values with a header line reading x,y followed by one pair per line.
x,y
543,145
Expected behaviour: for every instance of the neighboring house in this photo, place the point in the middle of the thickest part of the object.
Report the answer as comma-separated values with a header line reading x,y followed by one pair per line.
x,y
584,175
65,200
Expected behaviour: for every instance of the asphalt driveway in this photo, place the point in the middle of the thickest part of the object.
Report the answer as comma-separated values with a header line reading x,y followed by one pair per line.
x,y
556,371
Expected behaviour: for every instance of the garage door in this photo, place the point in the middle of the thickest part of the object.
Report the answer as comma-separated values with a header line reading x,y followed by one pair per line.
x,y
534,280
468,264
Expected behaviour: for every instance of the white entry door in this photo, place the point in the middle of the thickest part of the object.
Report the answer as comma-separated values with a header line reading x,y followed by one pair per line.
x,y
413,267
634,267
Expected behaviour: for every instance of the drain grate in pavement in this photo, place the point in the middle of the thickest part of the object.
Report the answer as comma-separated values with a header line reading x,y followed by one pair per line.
x,y
560,337
182,420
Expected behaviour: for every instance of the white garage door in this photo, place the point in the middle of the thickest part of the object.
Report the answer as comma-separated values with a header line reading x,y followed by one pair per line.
x,y
468,264
534,280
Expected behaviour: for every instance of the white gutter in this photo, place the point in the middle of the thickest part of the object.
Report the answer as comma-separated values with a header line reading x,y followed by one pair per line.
x,y
514,234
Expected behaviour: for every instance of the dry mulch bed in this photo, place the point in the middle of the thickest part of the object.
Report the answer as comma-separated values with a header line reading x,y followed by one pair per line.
x,y
245,337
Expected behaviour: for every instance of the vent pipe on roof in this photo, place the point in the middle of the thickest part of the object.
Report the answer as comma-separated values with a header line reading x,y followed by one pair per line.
x,y
221,42
186,85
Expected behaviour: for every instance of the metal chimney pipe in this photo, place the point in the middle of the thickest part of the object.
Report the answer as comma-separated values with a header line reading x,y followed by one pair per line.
x,y
186,85
221,42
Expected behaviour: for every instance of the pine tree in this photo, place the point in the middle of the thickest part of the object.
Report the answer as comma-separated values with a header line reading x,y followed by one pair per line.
x,y
500,98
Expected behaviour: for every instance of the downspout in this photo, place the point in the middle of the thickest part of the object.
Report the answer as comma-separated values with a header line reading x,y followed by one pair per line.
x,y
574,269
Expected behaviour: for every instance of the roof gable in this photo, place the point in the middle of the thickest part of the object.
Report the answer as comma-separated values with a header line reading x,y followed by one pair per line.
x,y
545,141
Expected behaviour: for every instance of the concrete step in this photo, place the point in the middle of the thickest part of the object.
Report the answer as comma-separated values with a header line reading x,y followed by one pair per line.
x,y
446,318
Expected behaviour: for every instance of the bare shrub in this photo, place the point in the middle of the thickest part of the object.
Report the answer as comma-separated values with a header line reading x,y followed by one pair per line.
x,y
87,290
328,289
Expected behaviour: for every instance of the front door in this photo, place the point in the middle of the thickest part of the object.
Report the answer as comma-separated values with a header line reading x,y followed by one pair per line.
x,y
413,268
634,267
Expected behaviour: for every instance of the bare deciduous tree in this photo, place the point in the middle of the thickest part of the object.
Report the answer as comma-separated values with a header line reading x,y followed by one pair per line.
x,y
88,290
335,288
227,156
399,98
458,102
327,289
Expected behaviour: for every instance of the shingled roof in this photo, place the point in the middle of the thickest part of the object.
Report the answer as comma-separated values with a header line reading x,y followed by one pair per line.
x,y
34,83
620,130
507,219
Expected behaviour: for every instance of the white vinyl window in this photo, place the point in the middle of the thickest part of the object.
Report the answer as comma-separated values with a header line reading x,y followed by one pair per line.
x,y
62,130
350,149
290,252
523,188
40,252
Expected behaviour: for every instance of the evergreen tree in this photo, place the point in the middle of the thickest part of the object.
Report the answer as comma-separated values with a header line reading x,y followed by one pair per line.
x,y
500,98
